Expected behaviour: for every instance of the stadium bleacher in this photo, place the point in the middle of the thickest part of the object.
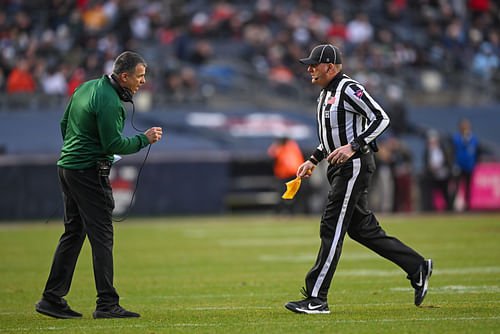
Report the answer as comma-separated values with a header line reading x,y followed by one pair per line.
x,y
233,64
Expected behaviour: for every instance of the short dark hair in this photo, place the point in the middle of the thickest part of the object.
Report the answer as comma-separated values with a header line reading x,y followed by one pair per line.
x,y
127,62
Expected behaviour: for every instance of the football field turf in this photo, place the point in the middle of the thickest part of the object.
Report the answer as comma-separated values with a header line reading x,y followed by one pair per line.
x,y
233,274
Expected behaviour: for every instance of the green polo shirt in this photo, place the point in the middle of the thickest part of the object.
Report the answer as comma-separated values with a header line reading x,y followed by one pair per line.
x,y
92,126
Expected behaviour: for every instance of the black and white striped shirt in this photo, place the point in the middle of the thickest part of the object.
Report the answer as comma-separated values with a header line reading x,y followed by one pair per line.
x,y
347,112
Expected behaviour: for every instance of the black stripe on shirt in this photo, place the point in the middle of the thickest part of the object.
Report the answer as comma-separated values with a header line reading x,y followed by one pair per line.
x,y
341,115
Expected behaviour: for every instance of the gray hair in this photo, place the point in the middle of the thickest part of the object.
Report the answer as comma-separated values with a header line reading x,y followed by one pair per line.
x,y
127,62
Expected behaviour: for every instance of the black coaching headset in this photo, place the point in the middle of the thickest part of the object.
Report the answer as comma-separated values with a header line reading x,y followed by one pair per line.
x,y
124,93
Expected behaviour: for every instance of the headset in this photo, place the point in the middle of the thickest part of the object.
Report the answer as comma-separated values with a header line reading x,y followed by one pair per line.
x,y
124,93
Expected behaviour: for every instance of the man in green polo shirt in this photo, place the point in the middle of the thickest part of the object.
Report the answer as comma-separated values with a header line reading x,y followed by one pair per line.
x,y
92,128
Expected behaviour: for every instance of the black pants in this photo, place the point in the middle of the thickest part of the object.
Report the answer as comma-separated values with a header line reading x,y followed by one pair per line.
x,y
443,187
346,211
88,205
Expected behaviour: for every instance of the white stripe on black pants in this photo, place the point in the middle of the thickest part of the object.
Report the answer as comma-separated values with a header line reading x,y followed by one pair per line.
x,y
346,211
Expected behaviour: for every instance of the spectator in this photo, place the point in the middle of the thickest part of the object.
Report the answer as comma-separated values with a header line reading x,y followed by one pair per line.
x,y
485,62
54,82
359,30
397,111
287,158
141,26
382,197
202,52
437,171
93,66
181,86
466,146
455,45
479,6
337,28
20,79
403,175
220,18
76,80
94,17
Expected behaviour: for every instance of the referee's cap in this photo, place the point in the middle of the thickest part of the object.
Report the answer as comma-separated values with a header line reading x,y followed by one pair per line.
x,y
324,53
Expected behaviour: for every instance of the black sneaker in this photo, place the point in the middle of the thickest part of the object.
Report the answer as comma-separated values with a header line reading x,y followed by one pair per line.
x,y
309,305
115,311
420,281
60,311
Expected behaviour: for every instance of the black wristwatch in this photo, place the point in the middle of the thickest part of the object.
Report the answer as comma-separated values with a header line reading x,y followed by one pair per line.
x,y
357,148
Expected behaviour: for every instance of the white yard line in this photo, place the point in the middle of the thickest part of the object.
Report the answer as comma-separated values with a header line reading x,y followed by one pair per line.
x,y
312,320
454,289
310,257
271,242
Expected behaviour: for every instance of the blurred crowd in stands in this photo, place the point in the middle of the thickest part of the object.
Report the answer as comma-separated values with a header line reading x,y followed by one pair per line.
x,y
195,48
201,49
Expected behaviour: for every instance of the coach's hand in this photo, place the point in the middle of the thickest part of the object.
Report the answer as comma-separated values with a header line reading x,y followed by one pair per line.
x,y
341,154
153,134
305,170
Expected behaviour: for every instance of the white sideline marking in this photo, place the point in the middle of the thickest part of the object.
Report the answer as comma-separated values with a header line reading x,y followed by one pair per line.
x,y
310,257
299,258
333,320
219,308
268,242
453,289
222,295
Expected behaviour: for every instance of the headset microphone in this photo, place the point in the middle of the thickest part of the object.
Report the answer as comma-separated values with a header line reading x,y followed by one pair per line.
x,y
317,78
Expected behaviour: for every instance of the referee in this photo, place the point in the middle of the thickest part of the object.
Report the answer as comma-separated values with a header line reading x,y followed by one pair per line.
x,y
349,121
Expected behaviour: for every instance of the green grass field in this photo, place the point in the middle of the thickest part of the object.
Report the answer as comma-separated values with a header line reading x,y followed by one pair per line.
x,y
233,274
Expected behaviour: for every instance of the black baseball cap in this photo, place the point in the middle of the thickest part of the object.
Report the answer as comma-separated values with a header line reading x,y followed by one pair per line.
x,y
324,53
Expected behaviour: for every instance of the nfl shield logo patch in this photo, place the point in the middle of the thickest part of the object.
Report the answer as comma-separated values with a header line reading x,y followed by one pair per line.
x,y
358,93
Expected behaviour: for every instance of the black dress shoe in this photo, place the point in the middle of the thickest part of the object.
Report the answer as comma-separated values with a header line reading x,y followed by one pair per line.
x,y
60,311
115,311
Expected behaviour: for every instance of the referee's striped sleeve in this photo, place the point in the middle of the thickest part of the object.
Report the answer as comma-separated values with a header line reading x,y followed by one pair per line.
x,y
363,103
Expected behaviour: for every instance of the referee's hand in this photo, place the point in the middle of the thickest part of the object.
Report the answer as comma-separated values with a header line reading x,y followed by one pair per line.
x,y
305,170
341,154
153,134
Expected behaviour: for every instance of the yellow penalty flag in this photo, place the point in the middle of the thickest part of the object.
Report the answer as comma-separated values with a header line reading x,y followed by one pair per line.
x,y
291,188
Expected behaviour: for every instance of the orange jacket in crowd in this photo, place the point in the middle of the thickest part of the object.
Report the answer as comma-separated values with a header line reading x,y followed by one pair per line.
x,y
20,81
288,157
